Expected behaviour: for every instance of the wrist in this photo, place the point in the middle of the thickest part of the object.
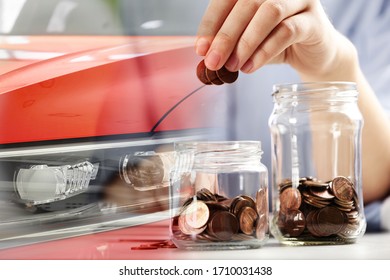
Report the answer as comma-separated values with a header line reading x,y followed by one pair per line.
x,y
342,66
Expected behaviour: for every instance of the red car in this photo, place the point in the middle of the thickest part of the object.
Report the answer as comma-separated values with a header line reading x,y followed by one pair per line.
x,y
92,96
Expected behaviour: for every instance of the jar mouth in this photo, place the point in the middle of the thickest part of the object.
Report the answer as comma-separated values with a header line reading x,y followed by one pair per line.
x,y
219,146
314,90
219,155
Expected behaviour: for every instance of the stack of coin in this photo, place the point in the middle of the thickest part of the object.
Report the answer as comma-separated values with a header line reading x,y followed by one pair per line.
x,y
212,217
219,77
319,209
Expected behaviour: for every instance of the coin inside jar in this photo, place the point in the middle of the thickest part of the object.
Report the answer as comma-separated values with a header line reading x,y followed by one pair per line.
x,y
330,208
293,222
262,201
239,203
342,188
227,219
261,226
330,220
290,199
247,219
223,225
196,214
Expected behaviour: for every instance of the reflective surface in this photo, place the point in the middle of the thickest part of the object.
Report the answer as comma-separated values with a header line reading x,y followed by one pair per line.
x,y
317,186
219,196
93,94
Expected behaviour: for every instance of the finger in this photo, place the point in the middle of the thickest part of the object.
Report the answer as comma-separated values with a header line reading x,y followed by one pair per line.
x,y
230,32
291,31
214,17
269,15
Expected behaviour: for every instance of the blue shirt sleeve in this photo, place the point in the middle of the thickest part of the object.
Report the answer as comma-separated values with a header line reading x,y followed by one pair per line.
x,y
366,24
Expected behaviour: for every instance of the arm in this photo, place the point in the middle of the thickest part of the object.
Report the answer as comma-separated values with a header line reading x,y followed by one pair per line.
x,y
247,34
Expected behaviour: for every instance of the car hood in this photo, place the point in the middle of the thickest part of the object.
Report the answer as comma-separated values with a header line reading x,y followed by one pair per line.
x,y
41,53
54,88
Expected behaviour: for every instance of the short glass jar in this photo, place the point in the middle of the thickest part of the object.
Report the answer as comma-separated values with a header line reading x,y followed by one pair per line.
x,y
219,196
316,160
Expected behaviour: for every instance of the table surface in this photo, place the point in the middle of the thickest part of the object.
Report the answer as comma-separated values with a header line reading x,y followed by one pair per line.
x,y
124,244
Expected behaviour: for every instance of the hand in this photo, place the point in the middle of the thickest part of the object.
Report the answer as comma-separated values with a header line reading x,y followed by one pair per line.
x,y
247,34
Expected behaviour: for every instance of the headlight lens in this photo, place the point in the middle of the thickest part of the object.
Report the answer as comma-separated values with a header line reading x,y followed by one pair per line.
x,y
41,184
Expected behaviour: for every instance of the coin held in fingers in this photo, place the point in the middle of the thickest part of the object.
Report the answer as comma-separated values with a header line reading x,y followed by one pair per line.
x,y
219,77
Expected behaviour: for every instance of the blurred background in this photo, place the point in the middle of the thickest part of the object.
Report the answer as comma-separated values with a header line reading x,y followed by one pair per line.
x,y
245,108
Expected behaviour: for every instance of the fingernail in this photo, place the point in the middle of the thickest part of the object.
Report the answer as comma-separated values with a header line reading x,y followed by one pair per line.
x,y
202,46
232,63
212,60
247,66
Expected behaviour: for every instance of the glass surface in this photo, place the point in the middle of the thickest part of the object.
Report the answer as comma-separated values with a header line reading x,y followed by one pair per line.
x,y
219,196
316,140
103,83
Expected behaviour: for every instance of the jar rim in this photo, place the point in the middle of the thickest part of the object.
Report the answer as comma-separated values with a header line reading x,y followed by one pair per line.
x,y
310,87
218,145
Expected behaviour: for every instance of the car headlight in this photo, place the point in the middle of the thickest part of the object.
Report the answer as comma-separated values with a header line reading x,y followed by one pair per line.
x,y
41,184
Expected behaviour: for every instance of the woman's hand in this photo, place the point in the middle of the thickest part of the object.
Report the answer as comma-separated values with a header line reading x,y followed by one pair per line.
x,y
247,34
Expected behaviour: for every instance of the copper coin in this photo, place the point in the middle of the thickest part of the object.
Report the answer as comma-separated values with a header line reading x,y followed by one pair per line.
x,y
216,206
353,214
201,73
350,230
250,200
205,195
175,223
261,226
325,194
219,197
342,188
240,203
356,200
316,203
196,214
287,183
212,77
184,228
311,224
171,246
316,184
144,248
247,219
294,223
262,201
223,225
187,202
208,237
228,202
331,220
226,76
290,199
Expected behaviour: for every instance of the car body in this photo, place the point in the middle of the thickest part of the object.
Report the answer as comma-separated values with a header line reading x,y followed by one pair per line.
x,y
74,106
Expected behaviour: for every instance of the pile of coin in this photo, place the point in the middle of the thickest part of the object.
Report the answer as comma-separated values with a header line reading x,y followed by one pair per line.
x,y
219,77
319,209
211,217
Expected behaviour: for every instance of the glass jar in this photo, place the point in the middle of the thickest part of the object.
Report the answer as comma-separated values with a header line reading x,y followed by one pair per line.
x,y
219,196
316,164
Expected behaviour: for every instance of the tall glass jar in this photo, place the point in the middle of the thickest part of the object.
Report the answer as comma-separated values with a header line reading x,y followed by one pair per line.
x,y
316,164
219,196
